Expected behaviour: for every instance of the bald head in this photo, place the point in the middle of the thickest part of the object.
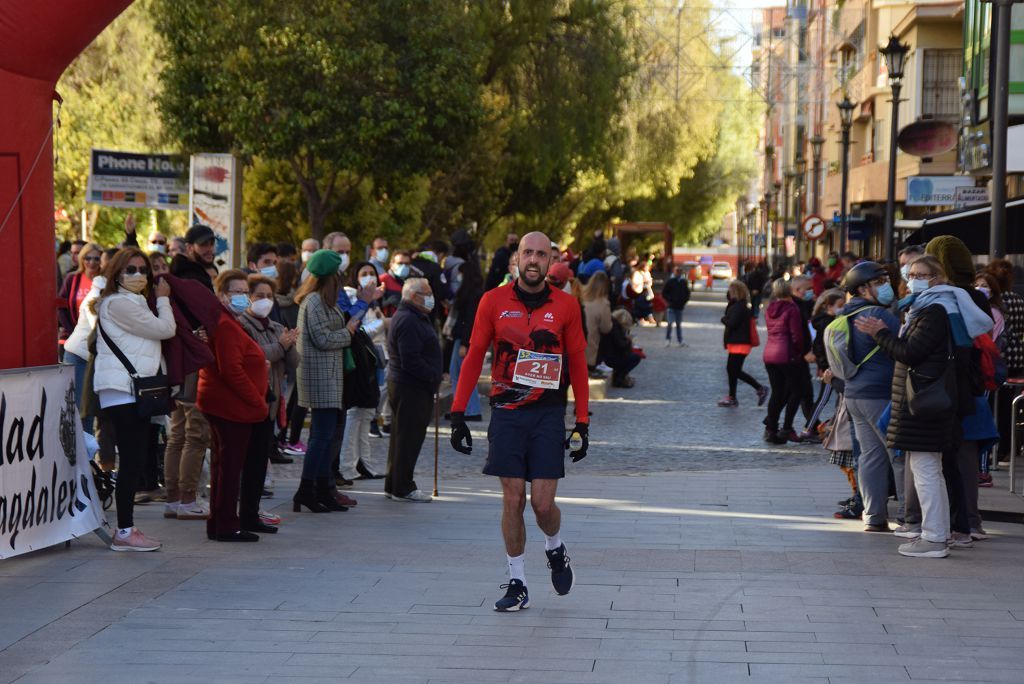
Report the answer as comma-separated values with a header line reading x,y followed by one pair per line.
x,y
534,259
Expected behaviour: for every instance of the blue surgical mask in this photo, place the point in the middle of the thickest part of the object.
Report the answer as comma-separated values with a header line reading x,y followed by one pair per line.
x,y
809,296
985,291
382,255
917,285
905,272
885,295
269,271
401,271
239,302
428,302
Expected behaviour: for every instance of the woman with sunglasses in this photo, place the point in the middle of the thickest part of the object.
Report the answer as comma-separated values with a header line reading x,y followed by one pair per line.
x,y
75,290
126,320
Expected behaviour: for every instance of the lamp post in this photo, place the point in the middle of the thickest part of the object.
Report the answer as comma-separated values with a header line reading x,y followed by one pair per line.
x,y
766,203
789,176
777,188
1000,32
895,54
846,120
816,144
800,167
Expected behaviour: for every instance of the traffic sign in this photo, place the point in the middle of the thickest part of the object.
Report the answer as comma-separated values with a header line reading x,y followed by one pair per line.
x,y
813,227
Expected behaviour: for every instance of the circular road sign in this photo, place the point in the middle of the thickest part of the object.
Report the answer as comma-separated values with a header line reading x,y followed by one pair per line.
x,y
813,227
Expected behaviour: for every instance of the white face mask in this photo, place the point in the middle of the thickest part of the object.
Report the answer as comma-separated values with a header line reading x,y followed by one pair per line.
x,y
382,255
366,280
515,273
160,248
428,302
262,307
567,288
344,263
305,255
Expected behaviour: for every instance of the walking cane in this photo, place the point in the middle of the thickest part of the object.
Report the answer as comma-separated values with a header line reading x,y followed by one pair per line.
x,y
437,435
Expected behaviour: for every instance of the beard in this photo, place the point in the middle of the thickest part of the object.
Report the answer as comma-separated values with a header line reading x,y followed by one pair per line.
x,y
531,279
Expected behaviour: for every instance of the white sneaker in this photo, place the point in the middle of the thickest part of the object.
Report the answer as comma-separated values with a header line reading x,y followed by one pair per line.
x,y
605,368
668,343
196,510
922,548
171,509
907,531
415,496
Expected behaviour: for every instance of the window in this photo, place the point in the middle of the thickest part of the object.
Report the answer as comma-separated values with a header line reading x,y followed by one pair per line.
x,y
940,92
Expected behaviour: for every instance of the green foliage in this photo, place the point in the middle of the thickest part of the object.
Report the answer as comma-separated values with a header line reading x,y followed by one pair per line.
x,y
341,91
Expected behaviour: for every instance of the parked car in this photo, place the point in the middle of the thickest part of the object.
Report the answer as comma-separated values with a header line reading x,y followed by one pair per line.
x,y
721,270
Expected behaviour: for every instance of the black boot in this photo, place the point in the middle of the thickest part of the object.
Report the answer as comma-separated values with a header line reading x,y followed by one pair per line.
x,y
366,473
305,496
325,495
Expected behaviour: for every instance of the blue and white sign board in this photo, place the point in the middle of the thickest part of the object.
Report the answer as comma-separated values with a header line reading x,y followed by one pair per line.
x,y
933,191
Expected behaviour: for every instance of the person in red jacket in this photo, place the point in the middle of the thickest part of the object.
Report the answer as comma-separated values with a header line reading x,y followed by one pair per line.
x,y
537,333
783,353
232,395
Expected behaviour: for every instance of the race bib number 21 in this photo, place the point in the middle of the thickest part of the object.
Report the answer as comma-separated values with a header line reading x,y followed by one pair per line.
x,y
536,369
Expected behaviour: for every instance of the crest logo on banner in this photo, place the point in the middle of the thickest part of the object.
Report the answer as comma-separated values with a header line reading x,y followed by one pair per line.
x,y
46,490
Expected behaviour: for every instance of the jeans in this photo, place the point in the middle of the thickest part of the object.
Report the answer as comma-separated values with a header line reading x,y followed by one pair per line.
x,y
734,368
80,365
674,316
132,435
930,486
875,459
322,428
473,405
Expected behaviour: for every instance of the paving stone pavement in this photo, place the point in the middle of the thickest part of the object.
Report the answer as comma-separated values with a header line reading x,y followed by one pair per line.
x,y
701,556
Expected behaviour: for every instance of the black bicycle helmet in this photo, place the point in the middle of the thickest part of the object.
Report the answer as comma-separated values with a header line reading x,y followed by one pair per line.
x,y
862,274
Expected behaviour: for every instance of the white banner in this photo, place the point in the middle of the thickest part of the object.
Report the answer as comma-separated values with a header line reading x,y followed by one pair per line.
x,y
212,195
141,181
46,490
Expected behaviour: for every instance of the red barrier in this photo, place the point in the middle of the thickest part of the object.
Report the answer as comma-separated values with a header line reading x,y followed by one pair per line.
x,y
38,40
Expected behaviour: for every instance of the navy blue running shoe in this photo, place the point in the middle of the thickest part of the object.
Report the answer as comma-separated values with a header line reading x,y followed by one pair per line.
x,y
561,574
516,598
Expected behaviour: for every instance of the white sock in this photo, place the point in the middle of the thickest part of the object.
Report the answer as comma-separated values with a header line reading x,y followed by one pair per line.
x,y
517,567
552,543
124,532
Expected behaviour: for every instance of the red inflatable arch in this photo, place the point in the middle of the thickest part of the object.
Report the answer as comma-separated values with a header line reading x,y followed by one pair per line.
x,y
38,40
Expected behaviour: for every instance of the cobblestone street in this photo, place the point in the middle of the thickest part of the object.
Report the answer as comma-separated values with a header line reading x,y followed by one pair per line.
x,y
701,556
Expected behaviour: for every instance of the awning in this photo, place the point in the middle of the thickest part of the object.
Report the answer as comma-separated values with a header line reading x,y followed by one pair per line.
x,y
971,225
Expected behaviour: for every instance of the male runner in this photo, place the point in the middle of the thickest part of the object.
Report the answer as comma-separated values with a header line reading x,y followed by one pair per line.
x,y
534,329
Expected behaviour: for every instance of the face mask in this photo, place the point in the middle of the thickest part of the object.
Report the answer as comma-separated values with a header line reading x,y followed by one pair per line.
x,y
905,272
134,283
567,288
831,262
917,285
428,302
305,255
985,291
382,255
366,280
239,302
344,263
515,272
401,271
262,307
885,295
809,296
269,271
154,247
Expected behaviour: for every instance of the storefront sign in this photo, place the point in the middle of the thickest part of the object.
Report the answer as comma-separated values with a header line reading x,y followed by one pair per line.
x,y
137,181
212,201
932,191
46,489
969,197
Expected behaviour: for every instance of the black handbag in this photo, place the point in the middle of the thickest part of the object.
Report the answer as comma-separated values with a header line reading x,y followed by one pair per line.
x,y
933,396
152,393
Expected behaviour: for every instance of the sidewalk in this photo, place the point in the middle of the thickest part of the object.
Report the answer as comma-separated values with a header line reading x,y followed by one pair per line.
x,y
701,556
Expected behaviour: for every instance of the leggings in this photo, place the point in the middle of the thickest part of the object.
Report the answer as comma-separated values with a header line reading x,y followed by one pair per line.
x,y
786,383
132,435
734,367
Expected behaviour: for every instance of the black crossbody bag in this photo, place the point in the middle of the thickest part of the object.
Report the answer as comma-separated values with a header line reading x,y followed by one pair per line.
x,y
152,394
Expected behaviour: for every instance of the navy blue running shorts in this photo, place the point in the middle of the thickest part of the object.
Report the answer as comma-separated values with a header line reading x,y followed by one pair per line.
x,y
526,443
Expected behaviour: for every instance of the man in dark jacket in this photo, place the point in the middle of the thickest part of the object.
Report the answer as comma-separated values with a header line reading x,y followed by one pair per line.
x,y
414,373
202,244
500,261
756,281
676,293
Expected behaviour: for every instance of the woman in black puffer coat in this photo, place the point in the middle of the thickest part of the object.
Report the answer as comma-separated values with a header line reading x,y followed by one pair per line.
x,y
924,348
737,341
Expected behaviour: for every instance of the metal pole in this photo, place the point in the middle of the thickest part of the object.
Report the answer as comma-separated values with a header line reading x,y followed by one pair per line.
x,y
843,224
1000,103
890,199
785,213
437,435
817,185
796,220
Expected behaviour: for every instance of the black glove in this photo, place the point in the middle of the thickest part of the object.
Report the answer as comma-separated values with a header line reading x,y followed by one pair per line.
x,y
583,430
462,441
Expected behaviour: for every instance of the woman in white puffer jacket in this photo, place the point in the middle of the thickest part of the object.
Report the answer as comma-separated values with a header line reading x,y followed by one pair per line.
x,y
125,317
76,347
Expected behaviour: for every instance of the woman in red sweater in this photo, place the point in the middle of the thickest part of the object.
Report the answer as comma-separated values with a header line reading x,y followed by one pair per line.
x,y
233,397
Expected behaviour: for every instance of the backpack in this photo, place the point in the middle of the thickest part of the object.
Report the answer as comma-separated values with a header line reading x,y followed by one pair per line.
x,y
837,346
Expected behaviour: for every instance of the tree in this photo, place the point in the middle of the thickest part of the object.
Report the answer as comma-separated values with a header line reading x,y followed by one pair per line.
x,y
343,92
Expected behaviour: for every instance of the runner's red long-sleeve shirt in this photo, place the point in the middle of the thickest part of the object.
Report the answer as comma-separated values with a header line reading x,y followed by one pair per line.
x,y
555,327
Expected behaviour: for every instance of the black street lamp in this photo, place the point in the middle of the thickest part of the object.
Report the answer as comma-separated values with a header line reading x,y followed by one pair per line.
x,y
895,54
766,205
846,120
788,175
800,168
999,89
816,144
777,188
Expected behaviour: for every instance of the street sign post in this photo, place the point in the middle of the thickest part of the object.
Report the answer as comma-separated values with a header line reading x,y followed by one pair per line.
x,y
813,227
